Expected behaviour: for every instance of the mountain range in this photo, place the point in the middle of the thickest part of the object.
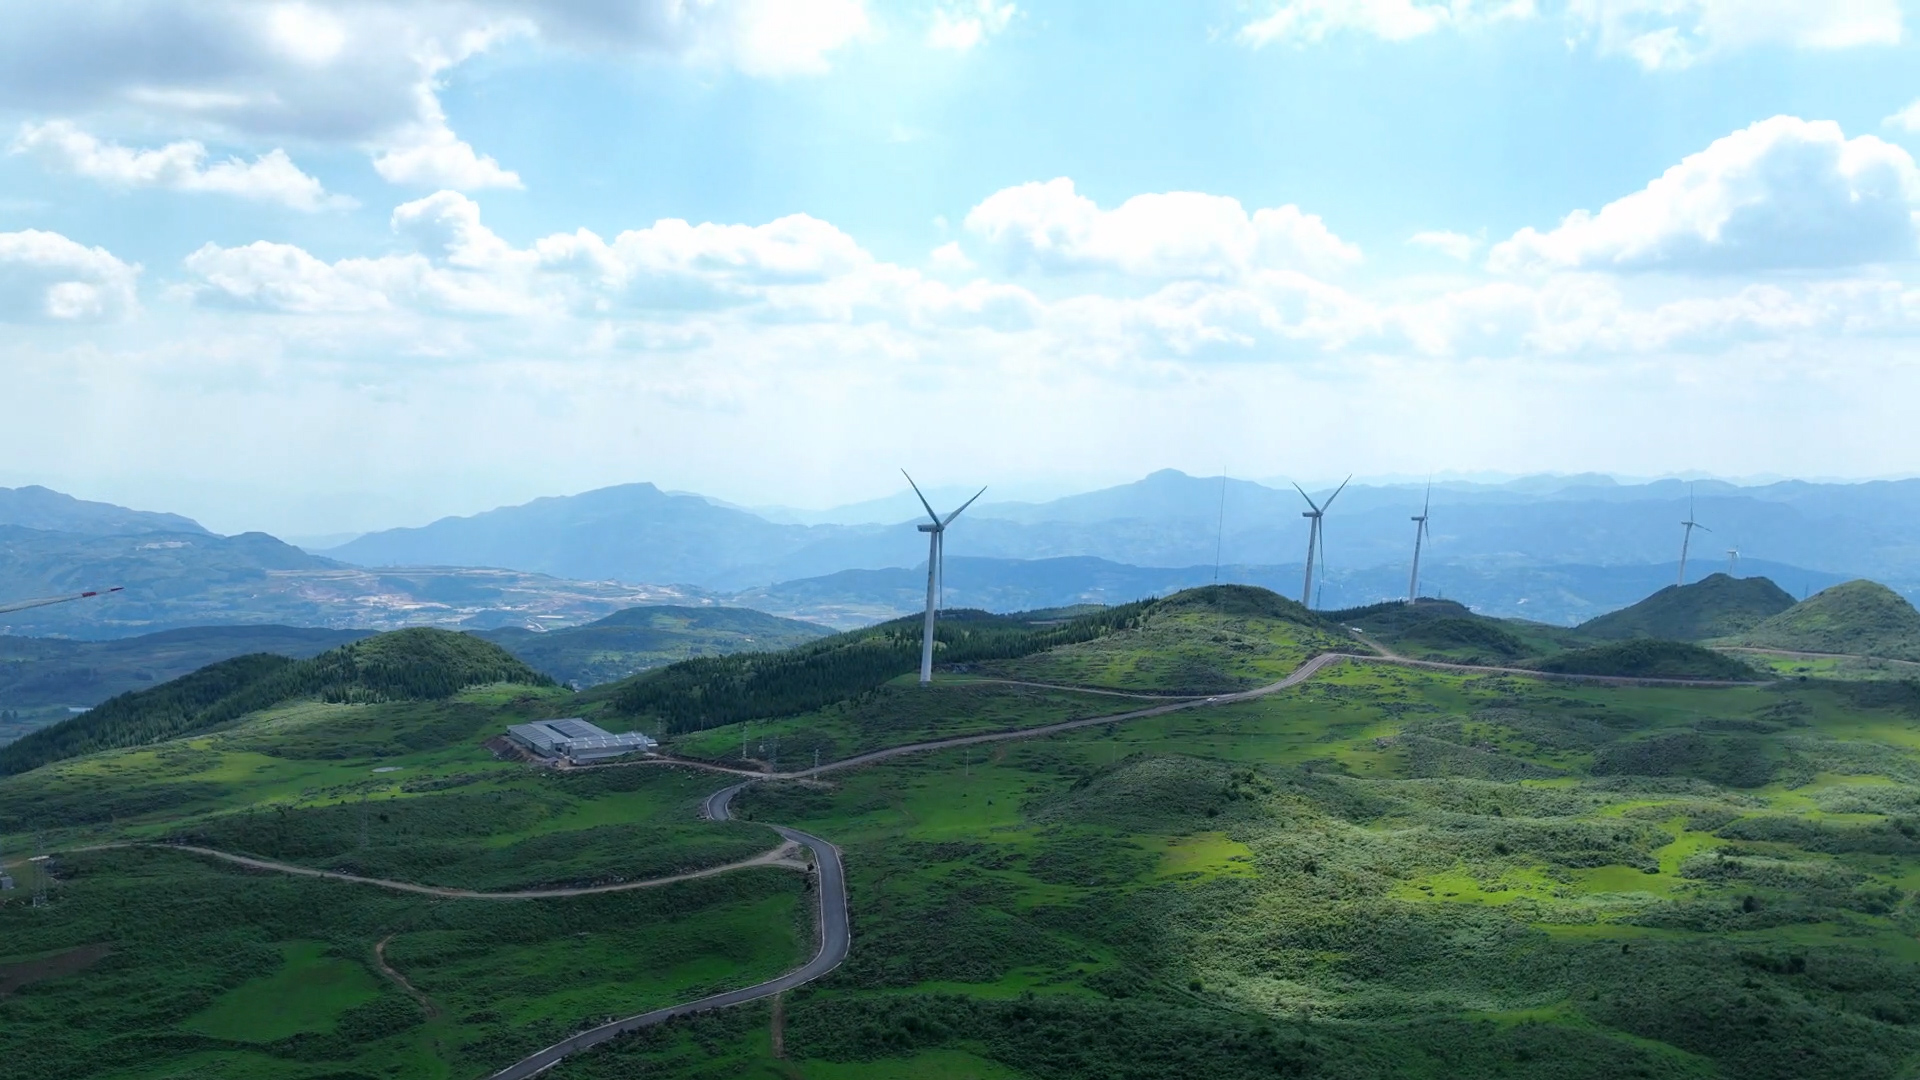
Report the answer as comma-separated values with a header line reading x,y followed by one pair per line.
x,y
1554,549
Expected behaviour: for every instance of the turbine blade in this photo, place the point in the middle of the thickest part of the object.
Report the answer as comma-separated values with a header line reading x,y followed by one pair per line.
x,y
1427,503
963,506
1309,498
923,498
43,601
1338,490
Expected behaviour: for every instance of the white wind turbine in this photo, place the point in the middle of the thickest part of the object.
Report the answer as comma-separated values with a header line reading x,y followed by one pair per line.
x,y
1733,562
1419,534
1687,536
1314,545
936,571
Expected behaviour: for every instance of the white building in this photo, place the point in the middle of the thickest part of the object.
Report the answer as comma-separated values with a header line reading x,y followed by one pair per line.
x,y
576,741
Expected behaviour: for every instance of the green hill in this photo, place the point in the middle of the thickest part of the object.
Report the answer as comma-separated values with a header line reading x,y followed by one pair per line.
x,y
1716,607
1649,658
642,638
1430,629
406,665
1860,618
710,691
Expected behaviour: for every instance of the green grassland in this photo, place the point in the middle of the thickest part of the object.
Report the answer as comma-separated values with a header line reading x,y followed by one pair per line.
x,y
1204,641
1648,658
1385,872
298,784
1450,633
215,972
1851,668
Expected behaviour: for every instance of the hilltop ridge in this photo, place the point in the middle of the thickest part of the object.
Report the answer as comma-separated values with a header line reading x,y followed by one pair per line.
x,y
417,664
1861,618
1716,606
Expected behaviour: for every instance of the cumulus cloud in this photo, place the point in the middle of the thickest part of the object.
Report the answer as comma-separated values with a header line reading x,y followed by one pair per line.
x,y
1451,244
1783,193
1907,119
961,24
1305,21
45,277
1052,228
180,166
795,268
366,74
1666,34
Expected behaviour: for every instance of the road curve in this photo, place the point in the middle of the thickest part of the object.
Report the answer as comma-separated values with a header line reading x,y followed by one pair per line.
x,y
835,937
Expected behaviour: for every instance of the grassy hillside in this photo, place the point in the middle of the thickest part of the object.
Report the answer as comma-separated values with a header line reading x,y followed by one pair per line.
x,y
405,665
1429,629
1861,618
1390,873
697,694
1715,607
1647,658
640,639
40,678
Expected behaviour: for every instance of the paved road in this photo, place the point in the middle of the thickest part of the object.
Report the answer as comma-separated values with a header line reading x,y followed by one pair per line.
x,y
835,938
771,857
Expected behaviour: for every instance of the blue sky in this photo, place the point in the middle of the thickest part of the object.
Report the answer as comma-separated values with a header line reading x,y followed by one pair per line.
x,y
316,267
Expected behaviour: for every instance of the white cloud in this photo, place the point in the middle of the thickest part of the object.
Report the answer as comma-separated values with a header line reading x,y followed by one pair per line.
x,y
366,73
948,257
1783,193
1181,234
1907,119
1451,244
961,24
1306,21
435,157
180,166
1666,34
45,277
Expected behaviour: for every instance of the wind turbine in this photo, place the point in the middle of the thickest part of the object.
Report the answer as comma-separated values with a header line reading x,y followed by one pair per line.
x,y
22,605
1419,534
1687,537
936,571
1313,534
1733,562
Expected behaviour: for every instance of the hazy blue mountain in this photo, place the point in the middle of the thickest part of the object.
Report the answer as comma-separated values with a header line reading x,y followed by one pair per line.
x,y
35,507
175,580
633,532
1559,594
637,533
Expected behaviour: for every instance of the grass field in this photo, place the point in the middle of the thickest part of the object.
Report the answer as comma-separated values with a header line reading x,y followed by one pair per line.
x,y
219,973
1386,873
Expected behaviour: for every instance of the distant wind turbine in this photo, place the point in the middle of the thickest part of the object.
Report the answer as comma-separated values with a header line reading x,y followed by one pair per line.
x,y
1419,534
936,571
22,605
1733,562
1687,536
1314,544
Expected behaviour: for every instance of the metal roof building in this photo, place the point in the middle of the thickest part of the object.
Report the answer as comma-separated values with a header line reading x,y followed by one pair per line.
x,y
577,741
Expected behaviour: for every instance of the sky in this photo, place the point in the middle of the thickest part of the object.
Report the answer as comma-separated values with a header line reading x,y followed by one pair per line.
x,y
326,267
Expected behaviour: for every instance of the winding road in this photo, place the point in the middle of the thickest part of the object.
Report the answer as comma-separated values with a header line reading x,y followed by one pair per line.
x,y
833,932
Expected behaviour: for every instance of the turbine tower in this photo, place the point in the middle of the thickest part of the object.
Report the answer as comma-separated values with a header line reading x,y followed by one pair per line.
x,y
1687,536
1419,534
936,571
1733,562
1313,517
